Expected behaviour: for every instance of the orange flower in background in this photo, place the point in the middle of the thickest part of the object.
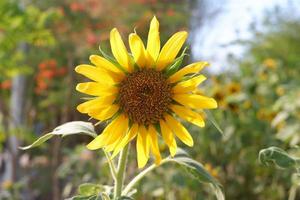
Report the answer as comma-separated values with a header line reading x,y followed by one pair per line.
x,y
52,63
42,65
143,95
5,85
170,12
91,39
76,7
61,71
48,70
47,74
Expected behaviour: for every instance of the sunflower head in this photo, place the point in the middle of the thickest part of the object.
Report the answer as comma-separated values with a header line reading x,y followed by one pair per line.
x,y
142,94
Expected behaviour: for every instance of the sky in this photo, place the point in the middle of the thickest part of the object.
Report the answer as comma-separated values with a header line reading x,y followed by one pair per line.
x,y
213,41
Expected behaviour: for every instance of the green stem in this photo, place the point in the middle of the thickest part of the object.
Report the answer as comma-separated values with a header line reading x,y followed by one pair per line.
x,y
141,175
120,173
111,165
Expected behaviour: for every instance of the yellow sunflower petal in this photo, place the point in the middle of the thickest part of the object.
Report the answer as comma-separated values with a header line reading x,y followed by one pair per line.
x,y
144,133
168,137
95,74
96,89
192,68
112,146
188,85
129,136
138,50
85,106
195,101
188,115
119,50
103,63
171,49
119,129
153,43
102,139
97,143
154,144
96,103
179,130
141,145
104,113
111,132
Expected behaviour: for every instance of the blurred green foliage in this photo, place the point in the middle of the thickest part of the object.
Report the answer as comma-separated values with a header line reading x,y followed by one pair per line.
x,y
259,107
19,25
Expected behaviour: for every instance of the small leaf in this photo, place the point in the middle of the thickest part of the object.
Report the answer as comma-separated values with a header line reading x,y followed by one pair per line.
x,y
197,170
88,189
39,141
112,60
70,128
213,121
171,69
278,157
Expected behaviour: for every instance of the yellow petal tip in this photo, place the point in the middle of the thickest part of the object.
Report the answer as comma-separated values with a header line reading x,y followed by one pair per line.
x,y
191,143
184,33
154,19
215,104
114,30
79,108
92,146
78,68
80,87
92,57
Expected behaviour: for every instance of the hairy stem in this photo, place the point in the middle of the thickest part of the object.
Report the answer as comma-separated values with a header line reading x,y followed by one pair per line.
x,y
120,173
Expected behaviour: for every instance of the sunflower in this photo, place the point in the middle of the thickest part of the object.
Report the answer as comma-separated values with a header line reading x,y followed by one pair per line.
x,y
141,94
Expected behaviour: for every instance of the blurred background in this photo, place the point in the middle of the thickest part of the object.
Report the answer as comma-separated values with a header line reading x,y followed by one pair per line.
x,y
254,50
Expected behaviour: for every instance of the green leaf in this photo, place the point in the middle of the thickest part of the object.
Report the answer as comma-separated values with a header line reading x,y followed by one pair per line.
x,y
176,64
88,189
212,119
39,141
112,60
70,128
278,157
198,171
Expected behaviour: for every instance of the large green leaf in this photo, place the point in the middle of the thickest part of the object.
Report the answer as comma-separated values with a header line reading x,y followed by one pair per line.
x,y
70,128
278,157
198,171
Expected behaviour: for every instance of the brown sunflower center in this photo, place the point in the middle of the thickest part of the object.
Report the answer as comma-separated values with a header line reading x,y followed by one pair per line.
x,y
145,96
